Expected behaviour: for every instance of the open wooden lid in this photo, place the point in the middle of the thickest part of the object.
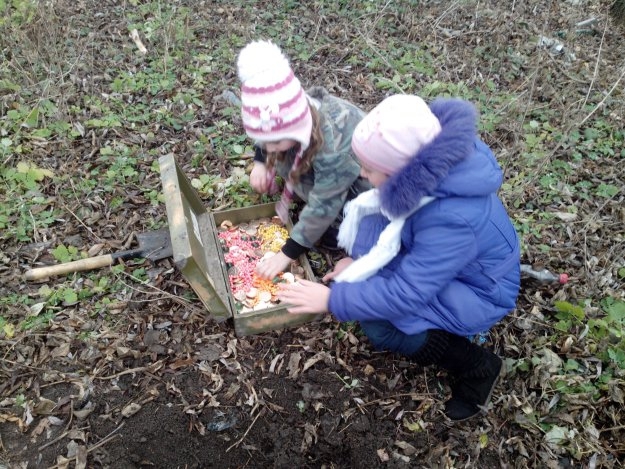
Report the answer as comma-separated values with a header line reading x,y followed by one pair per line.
x,y
194,240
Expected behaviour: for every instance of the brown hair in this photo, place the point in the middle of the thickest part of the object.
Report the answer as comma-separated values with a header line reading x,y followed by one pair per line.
x,y
316,143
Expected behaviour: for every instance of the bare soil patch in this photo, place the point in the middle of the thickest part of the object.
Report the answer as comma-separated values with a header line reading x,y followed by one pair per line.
x,y
149,380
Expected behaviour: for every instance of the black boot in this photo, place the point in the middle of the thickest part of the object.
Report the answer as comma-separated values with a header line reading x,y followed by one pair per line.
x,y
473,371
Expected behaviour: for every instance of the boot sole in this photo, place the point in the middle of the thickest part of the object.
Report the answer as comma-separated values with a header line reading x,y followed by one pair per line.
x,y
482,408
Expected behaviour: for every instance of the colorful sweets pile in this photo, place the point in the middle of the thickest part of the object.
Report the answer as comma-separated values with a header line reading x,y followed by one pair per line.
x,y
244,245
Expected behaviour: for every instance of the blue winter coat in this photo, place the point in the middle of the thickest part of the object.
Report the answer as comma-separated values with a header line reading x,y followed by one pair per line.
x,y
458,268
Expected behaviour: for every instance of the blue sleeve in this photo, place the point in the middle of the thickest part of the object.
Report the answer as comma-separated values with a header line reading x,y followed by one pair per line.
x,y
439,252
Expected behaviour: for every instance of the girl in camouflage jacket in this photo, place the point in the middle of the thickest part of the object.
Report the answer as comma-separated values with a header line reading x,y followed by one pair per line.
x,y
303,137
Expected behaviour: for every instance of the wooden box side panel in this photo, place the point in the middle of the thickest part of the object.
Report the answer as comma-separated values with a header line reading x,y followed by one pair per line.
x,y
192,241
270,320
245,214
194,274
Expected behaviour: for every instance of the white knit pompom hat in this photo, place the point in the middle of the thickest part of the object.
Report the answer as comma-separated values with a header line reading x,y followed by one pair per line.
x,y
274,105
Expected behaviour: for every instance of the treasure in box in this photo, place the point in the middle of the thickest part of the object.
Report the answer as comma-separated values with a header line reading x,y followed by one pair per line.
x,y
201,242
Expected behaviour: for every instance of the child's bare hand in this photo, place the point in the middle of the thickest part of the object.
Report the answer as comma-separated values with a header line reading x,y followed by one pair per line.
x,y
305,297
338,268
269,267
259,179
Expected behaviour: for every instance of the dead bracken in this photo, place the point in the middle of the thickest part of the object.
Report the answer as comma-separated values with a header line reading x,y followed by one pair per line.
x,y
84,115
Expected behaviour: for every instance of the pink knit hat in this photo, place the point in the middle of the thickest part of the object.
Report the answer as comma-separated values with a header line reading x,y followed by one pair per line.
x,y
394,132
274,104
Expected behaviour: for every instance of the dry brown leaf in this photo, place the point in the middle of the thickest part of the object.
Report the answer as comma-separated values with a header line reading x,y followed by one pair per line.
x,y
131,409
62,462
383,455
81,457
181,363
317,358
43,406
293,366
566,216
39,429
61,351
85,411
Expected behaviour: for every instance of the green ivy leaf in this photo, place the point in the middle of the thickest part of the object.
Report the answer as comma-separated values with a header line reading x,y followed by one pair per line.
x,y
61,253
32,171
568,310
32,119
617,355
69,297
615,310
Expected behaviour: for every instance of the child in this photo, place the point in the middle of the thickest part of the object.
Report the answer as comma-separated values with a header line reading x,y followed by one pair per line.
x,y
304,138
437,258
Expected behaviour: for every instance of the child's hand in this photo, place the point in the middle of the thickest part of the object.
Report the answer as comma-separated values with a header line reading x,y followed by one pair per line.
x,y
305,296
338,268
260,178
269,267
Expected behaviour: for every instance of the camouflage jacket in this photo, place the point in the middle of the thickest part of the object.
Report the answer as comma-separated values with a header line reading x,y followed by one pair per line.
x,y
334,175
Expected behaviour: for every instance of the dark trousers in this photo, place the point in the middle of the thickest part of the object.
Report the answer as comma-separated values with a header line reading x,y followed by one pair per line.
x,y
384,336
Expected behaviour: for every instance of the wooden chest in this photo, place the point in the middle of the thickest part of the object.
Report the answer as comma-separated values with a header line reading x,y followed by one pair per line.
x,y
200,258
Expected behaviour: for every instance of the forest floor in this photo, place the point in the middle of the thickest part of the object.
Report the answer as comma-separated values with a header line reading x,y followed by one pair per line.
x,y
123,367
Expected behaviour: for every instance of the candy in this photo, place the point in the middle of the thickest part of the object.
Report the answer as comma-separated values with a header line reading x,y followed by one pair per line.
x,y
244,246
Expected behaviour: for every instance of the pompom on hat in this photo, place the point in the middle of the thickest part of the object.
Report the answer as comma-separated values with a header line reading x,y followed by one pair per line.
x,y
274,105
394,132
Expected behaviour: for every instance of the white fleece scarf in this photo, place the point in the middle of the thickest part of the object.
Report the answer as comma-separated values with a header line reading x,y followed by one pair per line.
x,y
388,243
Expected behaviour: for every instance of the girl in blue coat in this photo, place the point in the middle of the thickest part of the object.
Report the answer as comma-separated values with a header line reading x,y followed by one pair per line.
x,y
433,254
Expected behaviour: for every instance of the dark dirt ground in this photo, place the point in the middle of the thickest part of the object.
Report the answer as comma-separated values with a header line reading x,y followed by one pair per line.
x,y
159,384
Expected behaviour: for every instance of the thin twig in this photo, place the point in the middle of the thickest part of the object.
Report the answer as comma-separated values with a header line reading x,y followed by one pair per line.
x,y
611,429
49,443
445,13
102,442
164,294
409,394
125,372
82,223
238,442
609,93
595,214
532,87
64,434
106,439
596,70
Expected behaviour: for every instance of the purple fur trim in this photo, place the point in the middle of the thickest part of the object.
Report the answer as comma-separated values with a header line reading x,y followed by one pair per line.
x,y
423,174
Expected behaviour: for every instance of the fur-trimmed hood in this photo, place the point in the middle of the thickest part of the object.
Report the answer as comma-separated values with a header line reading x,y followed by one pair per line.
x,y
455,163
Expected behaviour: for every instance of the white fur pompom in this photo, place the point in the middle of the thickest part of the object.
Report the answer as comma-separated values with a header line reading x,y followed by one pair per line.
x,y
259,58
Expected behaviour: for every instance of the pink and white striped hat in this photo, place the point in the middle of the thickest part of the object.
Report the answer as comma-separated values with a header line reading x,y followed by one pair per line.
x,y
274,105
